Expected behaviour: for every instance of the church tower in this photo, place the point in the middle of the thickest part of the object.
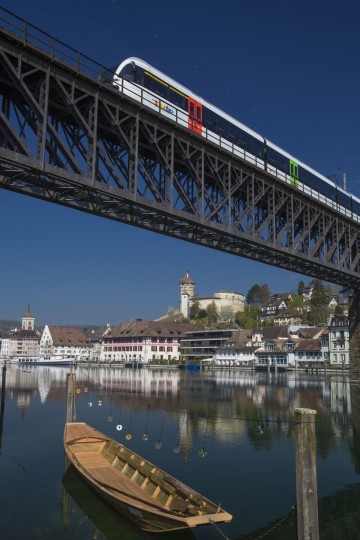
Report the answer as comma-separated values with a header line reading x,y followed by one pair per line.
x,y
28,320
187,291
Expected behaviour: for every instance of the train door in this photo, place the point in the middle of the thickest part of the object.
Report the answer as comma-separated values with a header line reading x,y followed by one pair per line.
x,y
195,115
294,172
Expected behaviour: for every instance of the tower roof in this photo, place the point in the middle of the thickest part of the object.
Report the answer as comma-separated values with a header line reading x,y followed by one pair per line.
x,y
28,312
187,279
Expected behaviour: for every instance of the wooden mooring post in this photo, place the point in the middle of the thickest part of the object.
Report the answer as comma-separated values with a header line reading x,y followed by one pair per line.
x,y
306,478
70,396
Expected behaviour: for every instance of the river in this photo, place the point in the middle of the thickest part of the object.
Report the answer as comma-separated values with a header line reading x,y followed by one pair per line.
x,y
226,433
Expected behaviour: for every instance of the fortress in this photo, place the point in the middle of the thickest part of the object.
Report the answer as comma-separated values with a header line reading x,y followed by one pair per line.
x,y
227,303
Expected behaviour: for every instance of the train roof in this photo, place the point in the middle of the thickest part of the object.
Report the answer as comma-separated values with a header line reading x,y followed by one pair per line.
x,y
186,91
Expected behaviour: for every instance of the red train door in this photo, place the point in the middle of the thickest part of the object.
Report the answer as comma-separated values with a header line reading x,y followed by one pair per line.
x,y
195,115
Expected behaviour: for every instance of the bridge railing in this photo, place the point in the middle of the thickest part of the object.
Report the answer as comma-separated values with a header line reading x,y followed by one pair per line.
x,y
55,48
170,111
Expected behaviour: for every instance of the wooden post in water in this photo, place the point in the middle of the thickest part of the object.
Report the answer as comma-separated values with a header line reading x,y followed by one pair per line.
x,y
306,478
70,396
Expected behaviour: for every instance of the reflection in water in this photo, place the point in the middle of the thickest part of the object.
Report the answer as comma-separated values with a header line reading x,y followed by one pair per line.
x,y
339,519
2,406
242,420
224,403
76,496
79,500
355,446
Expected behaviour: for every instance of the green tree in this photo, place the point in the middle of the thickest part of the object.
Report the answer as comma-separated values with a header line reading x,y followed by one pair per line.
x,y
258,294
301,287
212,313
339,310
318,303
264,294
247,319
253,294
202,314
194,310
296,302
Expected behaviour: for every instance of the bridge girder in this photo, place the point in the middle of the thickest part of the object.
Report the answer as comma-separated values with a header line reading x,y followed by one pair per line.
x,y
68,138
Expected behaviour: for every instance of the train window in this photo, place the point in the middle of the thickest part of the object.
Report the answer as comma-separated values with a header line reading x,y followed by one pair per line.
x,y
209,119
277,160
356,206
231,132
177,99
310,180
156,86
343,199
255,146
198,113
139,75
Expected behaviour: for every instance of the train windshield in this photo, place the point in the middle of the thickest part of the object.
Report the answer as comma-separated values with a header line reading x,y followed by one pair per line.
x,y
132,73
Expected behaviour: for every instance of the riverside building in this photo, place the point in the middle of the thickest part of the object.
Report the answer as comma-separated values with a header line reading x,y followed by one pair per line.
x,y
143,342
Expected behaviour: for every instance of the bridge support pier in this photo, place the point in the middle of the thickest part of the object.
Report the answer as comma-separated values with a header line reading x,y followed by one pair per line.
x,y
354,331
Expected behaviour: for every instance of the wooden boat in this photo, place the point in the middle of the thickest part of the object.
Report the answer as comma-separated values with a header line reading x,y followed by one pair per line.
x,y
141,492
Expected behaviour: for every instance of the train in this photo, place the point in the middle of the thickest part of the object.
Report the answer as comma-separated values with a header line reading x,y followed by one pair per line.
x,y
157,91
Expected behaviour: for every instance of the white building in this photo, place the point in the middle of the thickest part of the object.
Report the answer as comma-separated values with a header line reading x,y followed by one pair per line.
x,y
237,351
69,342
143,342
4,350
339,341
227,303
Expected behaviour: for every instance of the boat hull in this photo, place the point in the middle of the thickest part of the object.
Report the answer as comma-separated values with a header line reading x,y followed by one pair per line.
x,y
141,492
43,361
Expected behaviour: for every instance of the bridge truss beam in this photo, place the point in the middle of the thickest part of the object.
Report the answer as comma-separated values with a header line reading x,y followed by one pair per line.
x,y
68,138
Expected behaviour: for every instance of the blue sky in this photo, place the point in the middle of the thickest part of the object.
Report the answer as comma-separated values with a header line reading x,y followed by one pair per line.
x,y
287,68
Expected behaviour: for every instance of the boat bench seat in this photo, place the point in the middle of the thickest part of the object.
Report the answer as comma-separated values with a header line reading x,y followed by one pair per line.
x,y
102,471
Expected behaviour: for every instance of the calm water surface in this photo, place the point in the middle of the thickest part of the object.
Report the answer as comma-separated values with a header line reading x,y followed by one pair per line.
x,y
241,421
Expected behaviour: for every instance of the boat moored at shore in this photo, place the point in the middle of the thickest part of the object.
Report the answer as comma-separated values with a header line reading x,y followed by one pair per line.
x,y
45,360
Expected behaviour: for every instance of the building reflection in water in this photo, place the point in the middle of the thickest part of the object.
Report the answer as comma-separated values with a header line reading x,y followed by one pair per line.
x,y
216,399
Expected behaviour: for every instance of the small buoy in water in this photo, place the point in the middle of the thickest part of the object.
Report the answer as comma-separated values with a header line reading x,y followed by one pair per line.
x,y
202,452
158,445
145,437
110,418
100,402
128,436
176,449
90,404
119,427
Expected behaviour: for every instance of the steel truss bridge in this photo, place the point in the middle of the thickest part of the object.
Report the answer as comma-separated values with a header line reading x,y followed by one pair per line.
x,y
70,138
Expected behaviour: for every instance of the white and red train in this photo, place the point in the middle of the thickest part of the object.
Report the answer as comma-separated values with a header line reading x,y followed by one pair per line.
x,y
159,92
